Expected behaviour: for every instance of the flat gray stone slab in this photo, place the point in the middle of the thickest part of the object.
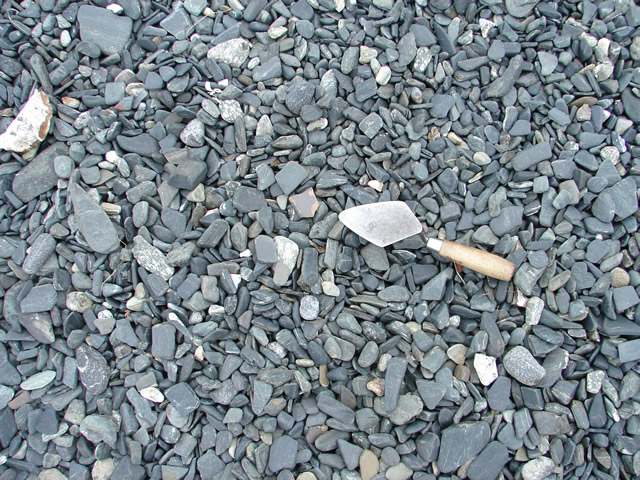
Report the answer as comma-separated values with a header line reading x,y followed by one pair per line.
x,y
39,175
102,27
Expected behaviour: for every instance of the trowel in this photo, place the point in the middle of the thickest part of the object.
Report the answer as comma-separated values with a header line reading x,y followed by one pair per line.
x,y
384,223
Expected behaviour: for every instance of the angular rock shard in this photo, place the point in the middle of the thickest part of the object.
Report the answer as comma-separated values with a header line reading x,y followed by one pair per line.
x,y
103,28
30,127
94,224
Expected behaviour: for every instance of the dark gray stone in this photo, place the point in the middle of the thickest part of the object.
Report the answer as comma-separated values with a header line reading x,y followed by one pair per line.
x,y
93,369
188,175
39,299
461,442
531,156
290,177
393,379
183,398
489,463
38,325
282,454
39,175
248,199
93,222
103,28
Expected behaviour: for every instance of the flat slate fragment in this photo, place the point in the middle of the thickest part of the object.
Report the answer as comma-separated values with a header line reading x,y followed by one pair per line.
x,y
39,175
282,454
489,463
183,398
93,369
94,224
394,377
629,351
39,326
152,259
531,156
103,28
248,199
460,442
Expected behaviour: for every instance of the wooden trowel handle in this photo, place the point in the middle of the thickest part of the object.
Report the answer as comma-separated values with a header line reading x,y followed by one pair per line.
x,y
474,259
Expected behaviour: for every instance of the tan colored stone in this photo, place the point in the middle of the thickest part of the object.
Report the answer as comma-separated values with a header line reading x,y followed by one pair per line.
x,y
306,204
51,474
462,373
457,353
323,379
103,469
619,278
376,386
369,465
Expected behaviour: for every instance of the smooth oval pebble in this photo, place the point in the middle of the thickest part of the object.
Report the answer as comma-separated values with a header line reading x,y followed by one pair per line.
x,y
39,380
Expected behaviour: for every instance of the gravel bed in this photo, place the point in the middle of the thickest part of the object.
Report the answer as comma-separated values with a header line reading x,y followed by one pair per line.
x,y
180,300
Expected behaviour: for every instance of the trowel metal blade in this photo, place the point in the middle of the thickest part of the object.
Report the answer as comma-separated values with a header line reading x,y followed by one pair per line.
x,y
381,223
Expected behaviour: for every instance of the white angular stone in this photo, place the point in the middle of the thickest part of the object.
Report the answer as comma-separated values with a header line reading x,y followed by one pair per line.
x,y
287,251
30,127
486,368
230,110
232,52
537,469
366,54
423,59
533,311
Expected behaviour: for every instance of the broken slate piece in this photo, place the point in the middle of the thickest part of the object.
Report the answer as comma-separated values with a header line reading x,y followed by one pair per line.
x,y
282,454
39,175
531,156
247,199
460,442
99,428
431,392
287,251
93,369
177,23
188,175
183,398
625,297
629,351
151,259
265,249
290,177
93,222
371,125
39,299
38,325
41,250
103,28
163,341
489,463
394,376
